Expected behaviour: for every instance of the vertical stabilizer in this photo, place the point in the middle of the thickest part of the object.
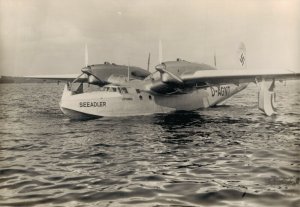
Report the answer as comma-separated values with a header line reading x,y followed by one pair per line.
x,y
242,55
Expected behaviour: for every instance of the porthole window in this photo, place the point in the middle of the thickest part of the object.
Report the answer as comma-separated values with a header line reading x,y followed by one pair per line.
x,y
124,90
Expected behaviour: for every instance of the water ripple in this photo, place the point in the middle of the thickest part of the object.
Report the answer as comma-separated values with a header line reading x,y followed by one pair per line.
x,y
228,155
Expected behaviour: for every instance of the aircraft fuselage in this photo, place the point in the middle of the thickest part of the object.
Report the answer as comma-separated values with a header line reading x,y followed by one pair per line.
x,y
116,101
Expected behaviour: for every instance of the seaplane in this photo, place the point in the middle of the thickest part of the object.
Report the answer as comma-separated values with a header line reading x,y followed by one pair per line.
x,y
111,90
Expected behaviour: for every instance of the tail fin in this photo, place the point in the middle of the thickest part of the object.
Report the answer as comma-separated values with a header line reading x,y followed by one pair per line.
x,y
242,55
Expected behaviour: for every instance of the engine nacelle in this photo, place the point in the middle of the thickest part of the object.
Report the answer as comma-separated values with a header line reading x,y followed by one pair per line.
x,y
95,81
168,79
92,79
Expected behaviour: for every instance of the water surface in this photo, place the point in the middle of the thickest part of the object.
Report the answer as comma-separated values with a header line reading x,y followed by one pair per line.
x,y
231,155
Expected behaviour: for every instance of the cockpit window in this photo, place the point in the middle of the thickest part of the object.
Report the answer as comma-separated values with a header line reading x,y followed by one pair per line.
x,y
109,89
124,90
112,89
103,89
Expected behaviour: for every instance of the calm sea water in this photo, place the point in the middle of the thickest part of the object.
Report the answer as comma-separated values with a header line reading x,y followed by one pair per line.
x,y
231,155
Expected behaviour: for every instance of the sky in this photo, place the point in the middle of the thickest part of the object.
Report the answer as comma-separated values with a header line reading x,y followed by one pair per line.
x,y
48,36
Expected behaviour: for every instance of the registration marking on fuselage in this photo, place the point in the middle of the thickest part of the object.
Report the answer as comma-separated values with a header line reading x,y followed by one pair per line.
x,y
220,90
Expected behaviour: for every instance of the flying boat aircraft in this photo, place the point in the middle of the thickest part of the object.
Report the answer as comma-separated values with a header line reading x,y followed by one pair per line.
x,y
111,90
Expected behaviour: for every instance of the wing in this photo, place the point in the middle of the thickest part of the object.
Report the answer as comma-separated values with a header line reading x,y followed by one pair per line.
x,y
234,76
100,74
177,78
64,77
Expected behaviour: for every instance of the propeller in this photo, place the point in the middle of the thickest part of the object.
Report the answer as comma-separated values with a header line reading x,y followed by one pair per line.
x,y
76,79
86,60
87,70
166,76
92,79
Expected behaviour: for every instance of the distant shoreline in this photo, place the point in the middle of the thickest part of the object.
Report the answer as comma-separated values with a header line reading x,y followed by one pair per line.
x,y
16,79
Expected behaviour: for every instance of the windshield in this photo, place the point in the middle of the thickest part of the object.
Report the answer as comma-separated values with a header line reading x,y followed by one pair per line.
x,y
114,89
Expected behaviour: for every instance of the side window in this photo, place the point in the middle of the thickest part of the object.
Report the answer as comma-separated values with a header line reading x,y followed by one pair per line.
x,y
138,91
114,89
124,90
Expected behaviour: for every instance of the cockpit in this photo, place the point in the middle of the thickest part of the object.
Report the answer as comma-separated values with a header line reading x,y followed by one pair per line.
x,y
82,88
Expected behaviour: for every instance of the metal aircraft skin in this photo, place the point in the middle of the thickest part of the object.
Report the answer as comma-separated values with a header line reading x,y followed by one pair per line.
x,y
110,90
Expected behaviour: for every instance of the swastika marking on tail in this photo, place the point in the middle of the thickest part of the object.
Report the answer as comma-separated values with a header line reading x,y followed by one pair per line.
x,y
242,59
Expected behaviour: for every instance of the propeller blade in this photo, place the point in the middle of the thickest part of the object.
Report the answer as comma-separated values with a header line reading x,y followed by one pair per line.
x,y
77,78
215,59
160,58
86,56
148,62
128,73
